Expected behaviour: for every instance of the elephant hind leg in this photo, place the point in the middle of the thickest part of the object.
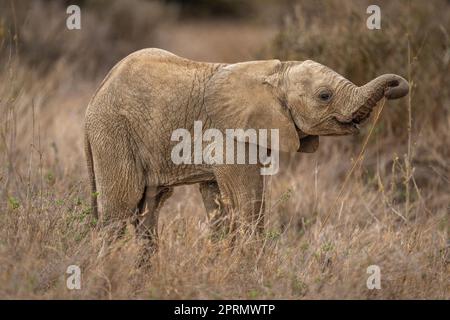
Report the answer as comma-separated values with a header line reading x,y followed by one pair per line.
x,y
118,203
119,173
118,200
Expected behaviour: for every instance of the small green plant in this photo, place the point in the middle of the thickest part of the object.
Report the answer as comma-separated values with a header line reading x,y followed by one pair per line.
x,y
253,294
298,286
78,201
94,221
286,195
13,203
273,234
50,178
327,246
304,246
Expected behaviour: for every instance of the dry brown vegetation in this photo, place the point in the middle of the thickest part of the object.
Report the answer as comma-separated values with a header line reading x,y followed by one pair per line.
x,y
393,212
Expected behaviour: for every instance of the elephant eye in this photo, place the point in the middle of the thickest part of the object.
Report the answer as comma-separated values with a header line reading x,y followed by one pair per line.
x,y
325,95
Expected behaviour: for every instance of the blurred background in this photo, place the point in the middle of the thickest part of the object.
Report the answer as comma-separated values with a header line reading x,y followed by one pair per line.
x,y
394,211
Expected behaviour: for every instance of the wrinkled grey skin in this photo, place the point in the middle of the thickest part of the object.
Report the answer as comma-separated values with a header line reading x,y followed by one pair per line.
x,y
150,93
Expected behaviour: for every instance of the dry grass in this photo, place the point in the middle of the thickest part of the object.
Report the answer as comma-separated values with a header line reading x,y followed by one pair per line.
x,y
44,207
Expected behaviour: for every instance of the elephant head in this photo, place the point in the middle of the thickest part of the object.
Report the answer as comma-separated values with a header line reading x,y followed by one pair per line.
x,y
302,99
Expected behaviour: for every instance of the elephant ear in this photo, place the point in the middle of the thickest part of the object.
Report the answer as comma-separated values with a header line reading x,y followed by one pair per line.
x,y
244,96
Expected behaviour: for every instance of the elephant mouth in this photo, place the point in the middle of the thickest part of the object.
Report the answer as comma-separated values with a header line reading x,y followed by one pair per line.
x,y
354,123
347,127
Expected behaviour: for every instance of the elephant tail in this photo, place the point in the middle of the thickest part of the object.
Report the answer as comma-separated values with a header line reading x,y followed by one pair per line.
x,y
90,166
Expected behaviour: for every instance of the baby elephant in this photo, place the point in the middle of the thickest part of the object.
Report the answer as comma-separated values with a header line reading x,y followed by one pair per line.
x,y
133,123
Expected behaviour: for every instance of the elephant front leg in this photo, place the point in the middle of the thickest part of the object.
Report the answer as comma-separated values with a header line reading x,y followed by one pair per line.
x,y
242,193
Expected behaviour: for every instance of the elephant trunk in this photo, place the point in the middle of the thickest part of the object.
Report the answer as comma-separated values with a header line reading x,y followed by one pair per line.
x,y
390,86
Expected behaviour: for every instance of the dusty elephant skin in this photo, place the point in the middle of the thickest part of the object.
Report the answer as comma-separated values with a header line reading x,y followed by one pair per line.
x,y
152,92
